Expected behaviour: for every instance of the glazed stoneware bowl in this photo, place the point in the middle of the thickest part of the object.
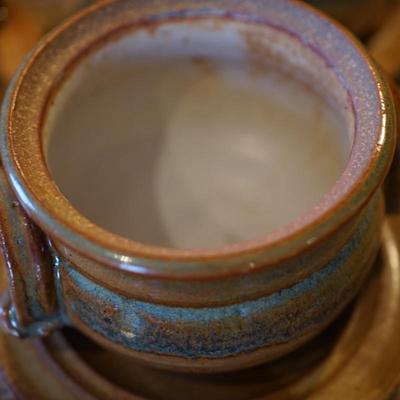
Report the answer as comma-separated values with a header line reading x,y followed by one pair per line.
x,y
207,310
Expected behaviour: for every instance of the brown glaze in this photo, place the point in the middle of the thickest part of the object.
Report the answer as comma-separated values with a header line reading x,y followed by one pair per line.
x,y
29,272
105,237
204,310
330,367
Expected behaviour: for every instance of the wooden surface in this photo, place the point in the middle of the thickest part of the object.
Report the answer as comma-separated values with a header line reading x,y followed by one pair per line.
x,y
362,17
385,45
23,23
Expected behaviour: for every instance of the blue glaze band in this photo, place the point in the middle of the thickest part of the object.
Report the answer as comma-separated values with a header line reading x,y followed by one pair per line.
x,y
222,331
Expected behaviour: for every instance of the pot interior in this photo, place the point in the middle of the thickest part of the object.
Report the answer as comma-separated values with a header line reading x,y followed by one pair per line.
x,y
192,134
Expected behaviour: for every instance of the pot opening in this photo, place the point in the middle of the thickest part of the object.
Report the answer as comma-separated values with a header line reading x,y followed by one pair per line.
x,y
198,134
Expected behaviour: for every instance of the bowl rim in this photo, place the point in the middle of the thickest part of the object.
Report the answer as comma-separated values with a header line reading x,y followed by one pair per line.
x,y
21,151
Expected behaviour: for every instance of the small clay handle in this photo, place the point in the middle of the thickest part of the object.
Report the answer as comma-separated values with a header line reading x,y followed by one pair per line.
x,y
29,306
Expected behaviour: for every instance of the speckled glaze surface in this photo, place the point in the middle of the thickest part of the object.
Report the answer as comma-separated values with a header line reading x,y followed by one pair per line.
x,y
67,366
198,309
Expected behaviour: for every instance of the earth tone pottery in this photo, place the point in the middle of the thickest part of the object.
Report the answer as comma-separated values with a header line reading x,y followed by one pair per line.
x,y
206,310
66,366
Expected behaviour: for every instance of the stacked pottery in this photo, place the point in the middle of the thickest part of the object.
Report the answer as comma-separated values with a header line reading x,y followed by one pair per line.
x,y
210,309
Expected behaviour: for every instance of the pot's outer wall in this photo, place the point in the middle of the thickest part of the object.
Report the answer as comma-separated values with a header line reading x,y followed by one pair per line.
x,y
242,333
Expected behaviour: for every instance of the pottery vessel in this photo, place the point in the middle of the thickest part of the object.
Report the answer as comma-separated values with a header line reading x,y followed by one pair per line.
x,y
195,310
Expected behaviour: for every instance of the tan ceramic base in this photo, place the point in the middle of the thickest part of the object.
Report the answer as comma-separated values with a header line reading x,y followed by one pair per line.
x,y
357,358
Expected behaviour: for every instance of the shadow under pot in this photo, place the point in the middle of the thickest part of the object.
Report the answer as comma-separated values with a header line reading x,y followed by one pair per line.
x,y
197,184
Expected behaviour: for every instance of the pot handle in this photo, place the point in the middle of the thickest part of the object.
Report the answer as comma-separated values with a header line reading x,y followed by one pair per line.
x,y
29,306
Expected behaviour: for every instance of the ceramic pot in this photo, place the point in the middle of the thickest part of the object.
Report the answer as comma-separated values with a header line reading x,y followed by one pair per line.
x,y
198,310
